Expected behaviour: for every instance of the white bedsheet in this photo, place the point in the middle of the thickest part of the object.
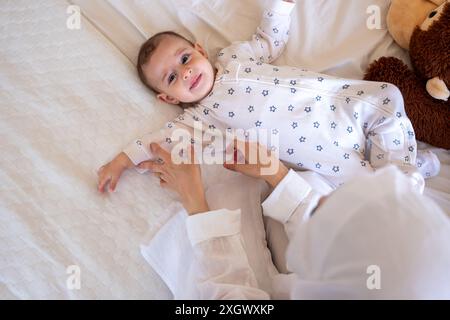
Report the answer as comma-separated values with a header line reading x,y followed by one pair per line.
x,y
70,99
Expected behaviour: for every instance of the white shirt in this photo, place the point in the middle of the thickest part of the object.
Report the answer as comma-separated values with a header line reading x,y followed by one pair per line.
x,y
390,243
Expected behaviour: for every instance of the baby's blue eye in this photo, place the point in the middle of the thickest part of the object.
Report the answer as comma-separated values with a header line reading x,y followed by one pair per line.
x,y
171,78
184,58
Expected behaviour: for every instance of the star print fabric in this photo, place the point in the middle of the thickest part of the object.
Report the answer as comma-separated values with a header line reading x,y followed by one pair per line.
x,y
269,40
337,127
333,126
266,45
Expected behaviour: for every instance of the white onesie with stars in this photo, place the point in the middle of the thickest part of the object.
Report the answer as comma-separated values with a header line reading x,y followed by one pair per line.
x,y
339,128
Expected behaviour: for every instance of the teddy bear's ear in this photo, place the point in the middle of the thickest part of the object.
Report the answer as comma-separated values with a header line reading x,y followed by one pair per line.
x,y
403,17
437,2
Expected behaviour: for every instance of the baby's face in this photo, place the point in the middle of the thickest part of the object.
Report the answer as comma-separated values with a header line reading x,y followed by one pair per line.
x,y
180,72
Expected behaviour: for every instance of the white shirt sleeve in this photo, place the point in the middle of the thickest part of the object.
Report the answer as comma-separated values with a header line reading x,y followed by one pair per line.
x,y
293,200
270,38
222,267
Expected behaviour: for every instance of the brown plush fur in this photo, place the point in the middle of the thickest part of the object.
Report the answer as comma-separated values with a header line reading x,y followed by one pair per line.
x,y
430,55
430,117
430,50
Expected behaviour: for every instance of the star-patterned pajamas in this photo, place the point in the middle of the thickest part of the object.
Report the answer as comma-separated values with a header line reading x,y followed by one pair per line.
x,y
339,128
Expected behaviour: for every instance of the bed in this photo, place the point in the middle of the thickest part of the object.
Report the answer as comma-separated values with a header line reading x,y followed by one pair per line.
x,y
70,100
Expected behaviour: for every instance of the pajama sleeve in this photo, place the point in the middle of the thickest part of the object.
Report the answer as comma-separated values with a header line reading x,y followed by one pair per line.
x,y
222,267
178,133
268,42
292,201
139,150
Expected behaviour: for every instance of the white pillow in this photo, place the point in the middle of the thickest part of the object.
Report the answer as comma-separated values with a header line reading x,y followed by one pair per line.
x,y
168,249
326,36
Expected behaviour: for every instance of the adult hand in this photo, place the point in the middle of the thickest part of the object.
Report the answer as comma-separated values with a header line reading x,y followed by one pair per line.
x,y
184,179
257,162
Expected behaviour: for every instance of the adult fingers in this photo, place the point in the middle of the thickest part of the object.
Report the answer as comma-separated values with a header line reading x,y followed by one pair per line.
x,y
160,152
192,154
247,169
161,176
151,165
235,148
230,166
162,183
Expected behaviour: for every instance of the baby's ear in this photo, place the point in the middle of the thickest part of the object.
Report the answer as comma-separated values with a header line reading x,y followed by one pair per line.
x,y
166,98
200,49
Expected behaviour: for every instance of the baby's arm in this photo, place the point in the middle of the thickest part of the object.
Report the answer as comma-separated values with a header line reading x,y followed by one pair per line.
x,y
135,153
139,150
270,38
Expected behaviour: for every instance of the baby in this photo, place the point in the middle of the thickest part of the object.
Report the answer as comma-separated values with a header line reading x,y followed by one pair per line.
x,y
339,128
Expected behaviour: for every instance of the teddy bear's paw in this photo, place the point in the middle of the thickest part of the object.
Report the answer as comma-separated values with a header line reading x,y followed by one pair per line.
x,y
437,89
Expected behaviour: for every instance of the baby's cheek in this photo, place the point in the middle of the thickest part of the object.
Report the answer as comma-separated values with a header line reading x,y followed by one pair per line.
x,y
181,94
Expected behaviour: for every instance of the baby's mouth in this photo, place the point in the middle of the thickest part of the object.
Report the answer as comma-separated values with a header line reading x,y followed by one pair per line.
x,y
196,82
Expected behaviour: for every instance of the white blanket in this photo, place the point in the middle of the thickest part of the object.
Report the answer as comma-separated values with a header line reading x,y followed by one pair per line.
x,y
70,100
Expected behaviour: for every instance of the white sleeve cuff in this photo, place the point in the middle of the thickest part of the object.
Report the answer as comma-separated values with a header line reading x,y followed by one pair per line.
x,y
213,224
137,152
281,7
286,197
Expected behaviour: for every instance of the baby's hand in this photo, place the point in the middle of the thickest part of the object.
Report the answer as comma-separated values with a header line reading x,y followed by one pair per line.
x,y
112,171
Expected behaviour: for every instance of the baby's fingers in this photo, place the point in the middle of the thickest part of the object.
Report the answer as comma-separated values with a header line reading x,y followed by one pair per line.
x,y
113,183
99,171
103,180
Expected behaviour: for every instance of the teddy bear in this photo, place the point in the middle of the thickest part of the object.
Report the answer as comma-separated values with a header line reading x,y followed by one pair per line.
x,y
423,28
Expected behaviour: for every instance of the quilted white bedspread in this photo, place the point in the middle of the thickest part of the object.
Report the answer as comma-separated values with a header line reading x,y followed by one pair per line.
x,y
70,100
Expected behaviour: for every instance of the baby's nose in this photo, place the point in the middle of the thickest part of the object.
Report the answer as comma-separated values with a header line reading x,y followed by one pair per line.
x,y
187,73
